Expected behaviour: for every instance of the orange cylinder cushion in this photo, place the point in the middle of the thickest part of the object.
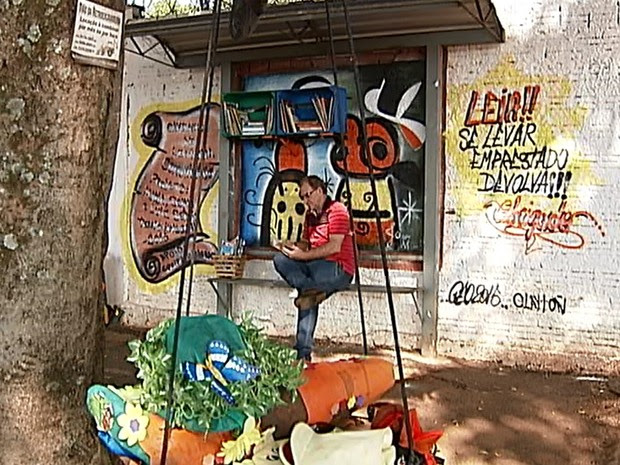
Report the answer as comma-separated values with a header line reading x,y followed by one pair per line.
x,y
328,384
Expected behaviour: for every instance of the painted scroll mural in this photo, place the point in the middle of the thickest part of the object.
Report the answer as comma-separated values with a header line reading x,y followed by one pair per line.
x,y
165,140
394,112
512,140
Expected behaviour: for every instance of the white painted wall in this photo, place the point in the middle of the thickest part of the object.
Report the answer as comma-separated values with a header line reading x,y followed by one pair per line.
x,y
570,49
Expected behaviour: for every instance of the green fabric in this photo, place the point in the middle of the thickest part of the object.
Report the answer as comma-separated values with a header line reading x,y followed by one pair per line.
x,y
197,332
197,407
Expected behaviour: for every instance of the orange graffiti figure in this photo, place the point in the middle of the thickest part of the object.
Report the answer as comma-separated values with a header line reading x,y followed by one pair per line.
x,y
381,155
555,227
380,158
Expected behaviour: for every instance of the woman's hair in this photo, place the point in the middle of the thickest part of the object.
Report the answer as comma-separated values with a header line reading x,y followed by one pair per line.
x,y
315,182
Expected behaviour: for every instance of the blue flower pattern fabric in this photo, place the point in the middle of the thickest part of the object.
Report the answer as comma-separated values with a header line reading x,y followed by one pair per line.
x,y
221,368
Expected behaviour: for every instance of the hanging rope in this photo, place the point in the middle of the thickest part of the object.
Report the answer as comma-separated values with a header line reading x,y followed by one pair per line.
x,y
342,152
201,145
190,225
373,187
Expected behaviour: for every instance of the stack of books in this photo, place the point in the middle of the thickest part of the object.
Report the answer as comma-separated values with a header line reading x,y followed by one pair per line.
x,y
232,119
250,128
291,123
323,107
247,122
287,117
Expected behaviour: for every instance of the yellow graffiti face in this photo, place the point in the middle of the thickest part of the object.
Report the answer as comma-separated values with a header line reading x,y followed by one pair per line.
x,y
287,212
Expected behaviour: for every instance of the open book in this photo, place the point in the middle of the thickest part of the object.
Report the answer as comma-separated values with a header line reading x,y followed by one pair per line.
x,y
280,244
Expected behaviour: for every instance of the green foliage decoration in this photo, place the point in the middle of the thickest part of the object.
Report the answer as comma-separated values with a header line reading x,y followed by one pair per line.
x,y
196,407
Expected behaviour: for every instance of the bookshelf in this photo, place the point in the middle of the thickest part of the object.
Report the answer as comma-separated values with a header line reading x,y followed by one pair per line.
x,y
248,114
314,112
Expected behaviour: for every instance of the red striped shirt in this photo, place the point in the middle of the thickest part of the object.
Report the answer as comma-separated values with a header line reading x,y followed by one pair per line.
x,y
333,220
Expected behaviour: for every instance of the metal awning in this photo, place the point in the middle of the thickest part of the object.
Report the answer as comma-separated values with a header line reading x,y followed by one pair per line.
x,y
300,29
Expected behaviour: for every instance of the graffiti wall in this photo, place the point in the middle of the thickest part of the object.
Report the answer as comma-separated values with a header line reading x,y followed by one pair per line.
x,y
151,196
394,116
161,132
530,192
529,217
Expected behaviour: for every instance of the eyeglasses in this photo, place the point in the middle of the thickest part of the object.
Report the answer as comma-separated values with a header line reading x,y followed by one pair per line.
x,y
307,195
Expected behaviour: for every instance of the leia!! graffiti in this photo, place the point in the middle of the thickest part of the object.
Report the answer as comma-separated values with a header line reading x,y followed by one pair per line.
x,y
513,139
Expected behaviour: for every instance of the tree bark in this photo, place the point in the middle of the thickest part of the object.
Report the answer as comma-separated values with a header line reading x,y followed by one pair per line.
x,y
55,169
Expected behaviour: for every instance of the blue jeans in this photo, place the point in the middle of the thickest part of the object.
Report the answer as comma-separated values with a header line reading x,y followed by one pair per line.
x,y
322,275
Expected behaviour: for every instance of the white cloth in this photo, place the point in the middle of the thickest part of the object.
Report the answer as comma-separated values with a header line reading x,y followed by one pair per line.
x,y
372,447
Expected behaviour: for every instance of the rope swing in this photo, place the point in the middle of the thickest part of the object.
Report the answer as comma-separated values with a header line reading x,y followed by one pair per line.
x,y
375,204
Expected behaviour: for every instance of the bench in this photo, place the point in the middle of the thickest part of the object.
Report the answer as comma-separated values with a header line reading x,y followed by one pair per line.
x,y
279,283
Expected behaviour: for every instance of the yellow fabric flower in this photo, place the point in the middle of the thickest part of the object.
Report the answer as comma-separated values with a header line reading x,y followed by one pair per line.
x,y
133,424
236,450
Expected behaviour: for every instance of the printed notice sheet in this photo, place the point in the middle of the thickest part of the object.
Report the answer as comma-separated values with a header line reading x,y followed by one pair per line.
x,y
97,34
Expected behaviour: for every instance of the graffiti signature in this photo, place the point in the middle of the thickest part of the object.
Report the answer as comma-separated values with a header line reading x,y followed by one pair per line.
x,y
553,226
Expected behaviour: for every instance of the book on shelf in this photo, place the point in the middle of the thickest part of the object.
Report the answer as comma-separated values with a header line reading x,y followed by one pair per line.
x,y
323,108
251,128
238,122
227,122
330,113
310,125
291,123
269,120
287,117
232,120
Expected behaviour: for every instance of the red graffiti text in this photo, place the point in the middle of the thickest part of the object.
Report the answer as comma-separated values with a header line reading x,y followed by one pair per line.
x,y
553,226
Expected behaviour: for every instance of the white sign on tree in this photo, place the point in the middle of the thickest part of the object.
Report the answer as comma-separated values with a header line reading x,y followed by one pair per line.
x,y
97,35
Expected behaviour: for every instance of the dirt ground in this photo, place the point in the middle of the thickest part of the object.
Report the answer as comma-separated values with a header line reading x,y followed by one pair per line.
x,y
490,414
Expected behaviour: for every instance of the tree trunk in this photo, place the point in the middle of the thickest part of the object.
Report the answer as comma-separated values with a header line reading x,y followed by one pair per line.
x,y
55,170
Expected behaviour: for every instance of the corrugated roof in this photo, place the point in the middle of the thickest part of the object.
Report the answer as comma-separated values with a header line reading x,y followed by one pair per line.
x,y
301,28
